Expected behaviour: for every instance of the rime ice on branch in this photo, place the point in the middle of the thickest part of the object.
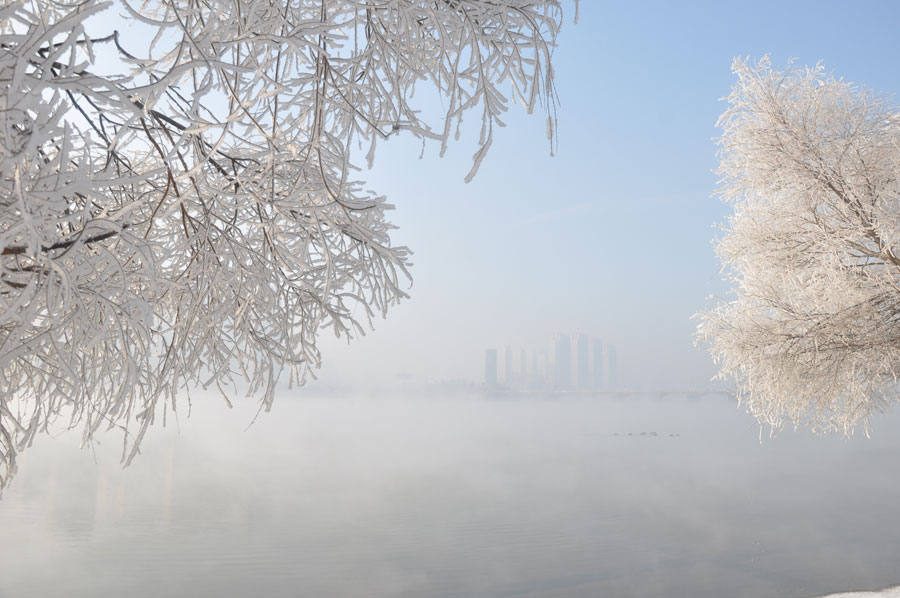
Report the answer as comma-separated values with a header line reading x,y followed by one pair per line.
x,y
193,218
810,164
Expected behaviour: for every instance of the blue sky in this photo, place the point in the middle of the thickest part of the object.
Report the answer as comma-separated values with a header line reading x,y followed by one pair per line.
x,y
612,236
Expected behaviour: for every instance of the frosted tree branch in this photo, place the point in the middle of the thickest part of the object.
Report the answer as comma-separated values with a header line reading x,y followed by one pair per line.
x,y
810,165
179,207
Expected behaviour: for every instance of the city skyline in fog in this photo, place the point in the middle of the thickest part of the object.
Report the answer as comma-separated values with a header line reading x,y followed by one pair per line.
x,y
569,362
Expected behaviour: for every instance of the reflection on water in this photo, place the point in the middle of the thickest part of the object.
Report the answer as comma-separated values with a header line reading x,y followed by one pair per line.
x,y
465,497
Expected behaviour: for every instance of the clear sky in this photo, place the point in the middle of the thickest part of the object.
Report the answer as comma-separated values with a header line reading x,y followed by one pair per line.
x,y
612,236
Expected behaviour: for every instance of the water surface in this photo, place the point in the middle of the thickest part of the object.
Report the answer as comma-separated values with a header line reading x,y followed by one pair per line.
x,y
463,497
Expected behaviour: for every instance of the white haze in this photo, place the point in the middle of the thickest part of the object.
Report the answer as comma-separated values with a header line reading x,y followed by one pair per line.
x,y
644,497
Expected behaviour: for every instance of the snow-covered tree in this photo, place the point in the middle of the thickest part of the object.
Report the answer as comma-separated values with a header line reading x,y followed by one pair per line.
x,y
811,166
178,203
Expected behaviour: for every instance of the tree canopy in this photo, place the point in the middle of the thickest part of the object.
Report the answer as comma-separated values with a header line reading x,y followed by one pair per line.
x,y
179,202
810,165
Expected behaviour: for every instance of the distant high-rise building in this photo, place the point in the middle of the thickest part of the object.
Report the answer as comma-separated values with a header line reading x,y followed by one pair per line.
x,y
490,368
597,371
507,367
563,370
583,371
523,369
611,367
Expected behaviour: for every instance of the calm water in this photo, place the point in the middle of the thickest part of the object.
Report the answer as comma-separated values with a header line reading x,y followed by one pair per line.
x,y
458,498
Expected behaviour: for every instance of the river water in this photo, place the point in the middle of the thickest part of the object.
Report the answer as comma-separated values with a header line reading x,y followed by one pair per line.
x,y
458,497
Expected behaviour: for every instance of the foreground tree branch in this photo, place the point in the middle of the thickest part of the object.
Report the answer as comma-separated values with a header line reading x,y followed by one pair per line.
x,y
192,219
810,164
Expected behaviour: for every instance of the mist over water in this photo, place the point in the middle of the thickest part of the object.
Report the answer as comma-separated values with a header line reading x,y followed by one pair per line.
x,y
567,497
